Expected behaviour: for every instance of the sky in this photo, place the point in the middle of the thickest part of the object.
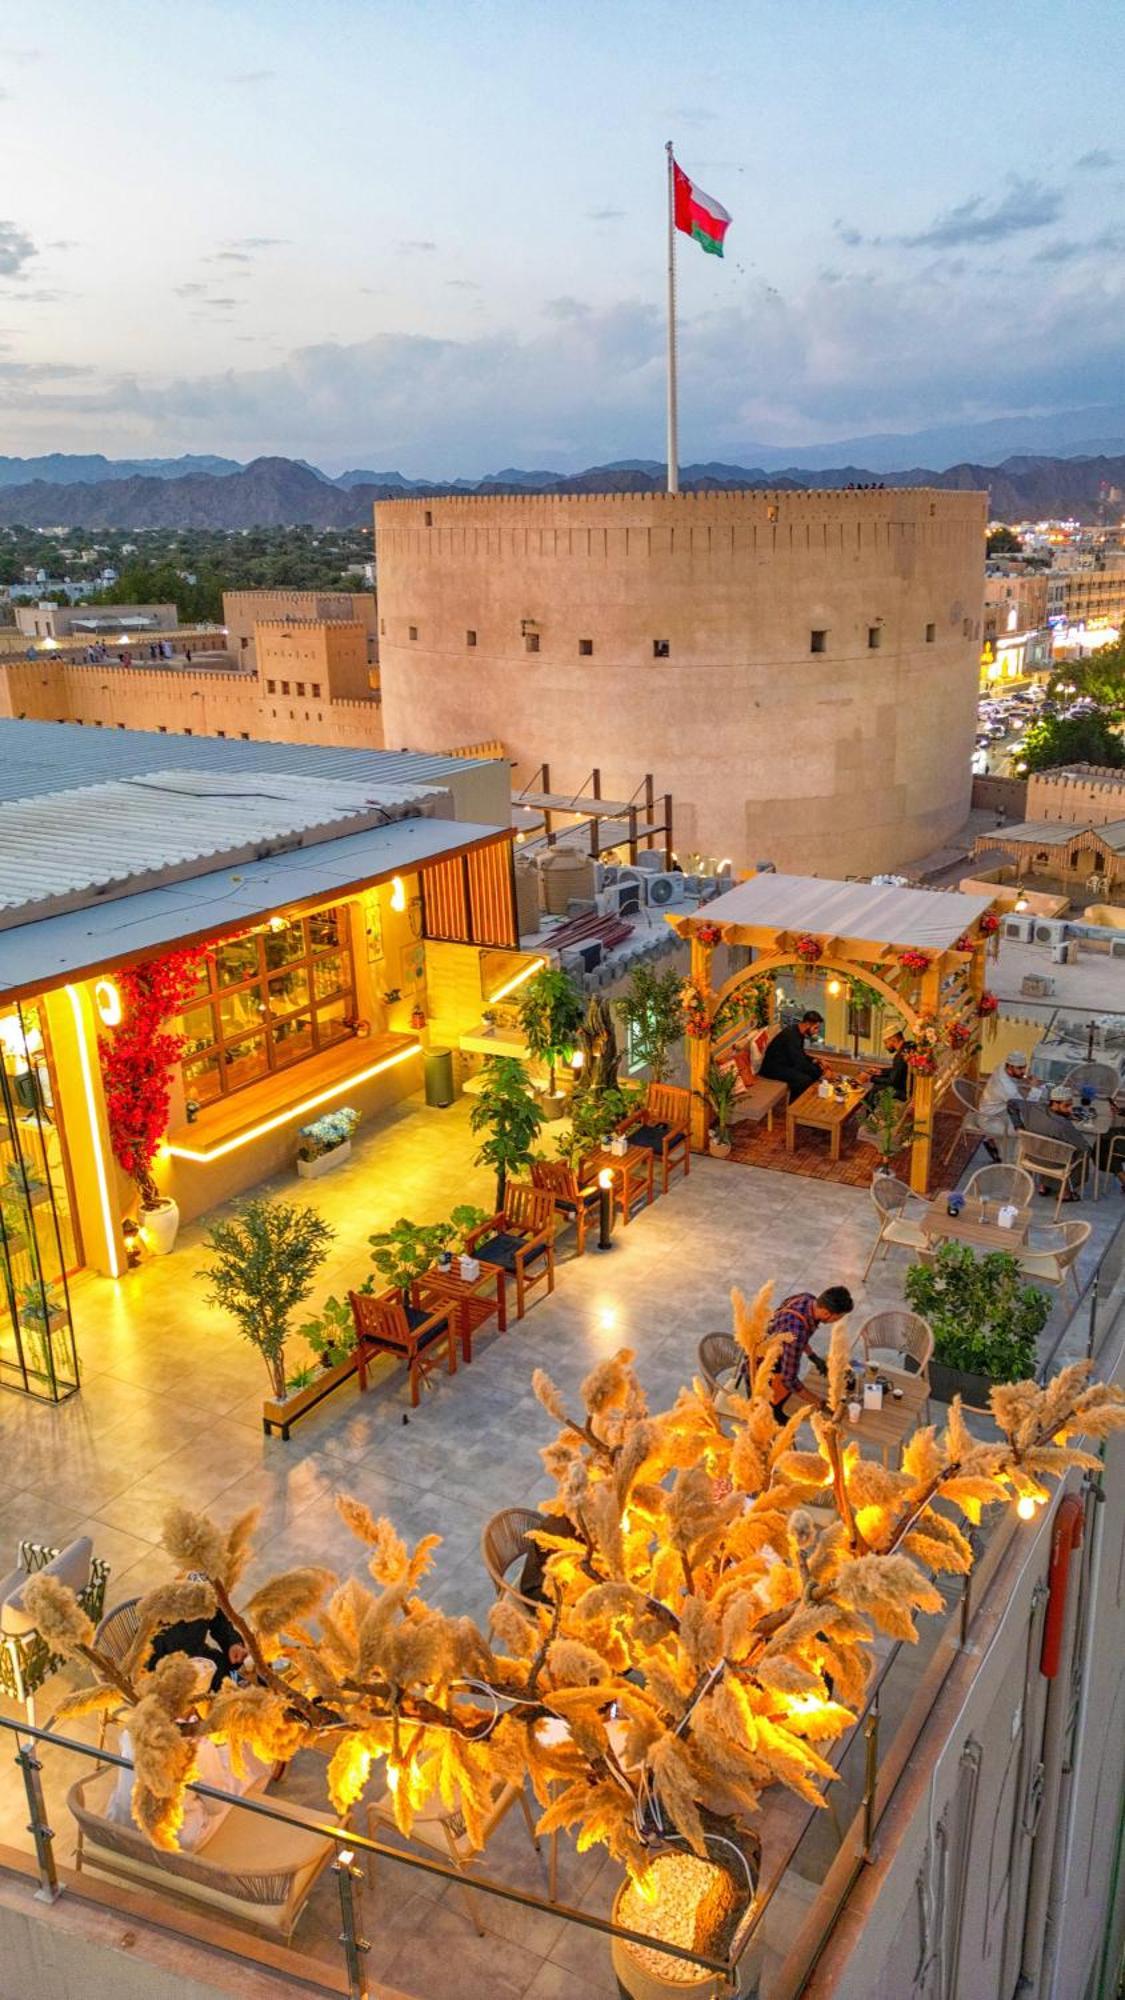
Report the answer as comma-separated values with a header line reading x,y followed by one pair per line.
x,y
431,237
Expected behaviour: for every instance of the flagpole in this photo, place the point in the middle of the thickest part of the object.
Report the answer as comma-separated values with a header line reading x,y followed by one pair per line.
x,y
673,414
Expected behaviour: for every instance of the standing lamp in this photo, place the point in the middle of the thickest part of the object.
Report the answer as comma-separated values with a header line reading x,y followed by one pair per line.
x,y
605,1209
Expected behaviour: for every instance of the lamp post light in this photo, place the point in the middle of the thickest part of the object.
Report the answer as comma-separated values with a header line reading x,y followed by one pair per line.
x,y
605,1209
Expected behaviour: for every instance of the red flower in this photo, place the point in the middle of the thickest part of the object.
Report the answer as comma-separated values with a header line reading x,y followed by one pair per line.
x,y
137,1057
987,1004
914,961
964,942
959,1034
922,1061
989,924
709,935
808,948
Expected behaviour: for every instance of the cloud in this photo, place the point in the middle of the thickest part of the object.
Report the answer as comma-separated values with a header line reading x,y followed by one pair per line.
x,y
21,56
605,214
42,371
1028,204
64,243
229,257
255,242
16,250
222,305
565,308
1096,161
414,244
691,114
188,291
455,285
251,75
1068,249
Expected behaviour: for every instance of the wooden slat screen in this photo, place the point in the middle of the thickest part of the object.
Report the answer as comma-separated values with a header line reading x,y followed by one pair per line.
x,y
445,895
491,901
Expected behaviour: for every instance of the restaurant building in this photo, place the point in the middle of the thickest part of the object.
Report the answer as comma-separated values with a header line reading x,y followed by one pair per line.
x,y
321,916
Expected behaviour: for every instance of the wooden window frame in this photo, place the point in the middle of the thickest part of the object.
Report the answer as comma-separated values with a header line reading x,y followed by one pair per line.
x,y
306,961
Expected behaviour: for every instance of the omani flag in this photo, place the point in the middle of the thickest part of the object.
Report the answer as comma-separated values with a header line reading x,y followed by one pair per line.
x,y
697,214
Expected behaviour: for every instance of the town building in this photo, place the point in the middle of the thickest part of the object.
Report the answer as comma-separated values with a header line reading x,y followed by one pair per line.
x,y
1015,601
95,621
1088,594
800,669
243,610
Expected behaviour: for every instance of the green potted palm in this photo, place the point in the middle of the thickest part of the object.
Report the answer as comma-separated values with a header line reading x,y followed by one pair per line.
x,y
509,1115
985,1321
263,1261
719,1094
890,1127
551,1014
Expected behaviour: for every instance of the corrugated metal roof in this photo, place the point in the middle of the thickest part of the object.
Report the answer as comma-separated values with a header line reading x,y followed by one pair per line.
x,y
38,955
67,848
1056,833
932,919
39,757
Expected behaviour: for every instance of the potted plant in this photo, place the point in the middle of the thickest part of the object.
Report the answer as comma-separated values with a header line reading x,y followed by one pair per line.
x,y
326,1143
331,1335
594,1115
597,1039
509,1114
137,1057
653,1012
719,1094
551,1014
42,1312
985,1321
407,1250
263,1262
890,1126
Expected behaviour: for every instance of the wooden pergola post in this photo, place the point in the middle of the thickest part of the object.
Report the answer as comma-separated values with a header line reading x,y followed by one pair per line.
x,y
923,1100
699,1048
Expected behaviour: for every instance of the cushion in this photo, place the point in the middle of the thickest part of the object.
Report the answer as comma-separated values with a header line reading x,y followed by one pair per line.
x,y
652,1136
71,1566
202,1817
746,1066
500,1250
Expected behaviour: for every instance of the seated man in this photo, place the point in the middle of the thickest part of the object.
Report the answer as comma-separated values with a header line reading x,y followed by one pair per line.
x,y
1055,1121
787,1059
214,1639
798,1317
897,1078
1007,1082
1111,1145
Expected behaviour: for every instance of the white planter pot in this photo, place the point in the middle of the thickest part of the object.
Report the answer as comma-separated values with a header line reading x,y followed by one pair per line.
x,y
160,1225
311,1170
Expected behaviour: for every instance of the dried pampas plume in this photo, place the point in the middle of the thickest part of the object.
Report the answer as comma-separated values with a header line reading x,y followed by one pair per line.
x,y
194,1542
56,1613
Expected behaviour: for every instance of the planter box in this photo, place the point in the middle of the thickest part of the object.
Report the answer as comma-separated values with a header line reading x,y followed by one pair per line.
x,y
280,1416
945,1383
311,1170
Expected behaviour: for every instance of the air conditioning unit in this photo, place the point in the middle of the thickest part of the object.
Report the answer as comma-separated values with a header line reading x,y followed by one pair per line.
x,y
623,899
1117,947
651,860
665,889
605,874
635,880
1022,929
1049,930
1065,952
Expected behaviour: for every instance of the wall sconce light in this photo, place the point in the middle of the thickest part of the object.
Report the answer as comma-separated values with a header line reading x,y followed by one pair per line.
x,y
107,1000
398,893
833,988
1021,904
279,924
578,1059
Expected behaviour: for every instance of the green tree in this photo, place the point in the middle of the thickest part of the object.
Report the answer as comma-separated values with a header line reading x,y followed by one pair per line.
x,y
652,1010
1100,678
263,1262
507,1111
1003,542
1072,739
550,1016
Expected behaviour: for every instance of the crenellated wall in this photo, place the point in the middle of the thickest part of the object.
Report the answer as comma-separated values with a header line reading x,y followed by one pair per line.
x,y
1086,795
674,634
196,701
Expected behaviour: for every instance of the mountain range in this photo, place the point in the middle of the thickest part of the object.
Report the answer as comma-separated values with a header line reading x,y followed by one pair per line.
x,y
279,492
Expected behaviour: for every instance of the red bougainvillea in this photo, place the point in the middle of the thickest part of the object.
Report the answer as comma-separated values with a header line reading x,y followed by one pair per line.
x,y
987,1004
708,935
137,1056
989,924
697,1022
914,961
808,948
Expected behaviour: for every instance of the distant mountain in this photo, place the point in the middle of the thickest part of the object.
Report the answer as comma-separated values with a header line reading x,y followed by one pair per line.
x,y
280,492
62,468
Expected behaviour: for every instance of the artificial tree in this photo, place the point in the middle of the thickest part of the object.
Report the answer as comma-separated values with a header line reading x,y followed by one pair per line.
x,y
551,1015
597,1042
890,1126
594,1115
407,1250
985,1319
263,1262
653,1012
711,1598
507,1112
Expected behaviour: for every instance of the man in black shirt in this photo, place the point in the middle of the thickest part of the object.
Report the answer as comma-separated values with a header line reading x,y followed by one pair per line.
x,y
787,1059
897,1077
214,1639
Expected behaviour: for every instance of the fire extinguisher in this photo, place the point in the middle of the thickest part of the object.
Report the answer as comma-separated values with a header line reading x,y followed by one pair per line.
x,y
417,1016
1066,1538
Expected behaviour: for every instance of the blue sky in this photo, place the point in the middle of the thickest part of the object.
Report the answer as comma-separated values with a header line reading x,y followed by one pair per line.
x,y
431,235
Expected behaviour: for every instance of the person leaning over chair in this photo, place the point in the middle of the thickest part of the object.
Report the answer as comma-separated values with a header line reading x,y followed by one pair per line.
x,y
798,1317
787,1059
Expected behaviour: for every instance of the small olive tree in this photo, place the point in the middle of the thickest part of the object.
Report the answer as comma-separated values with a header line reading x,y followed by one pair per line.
x,y
263,1262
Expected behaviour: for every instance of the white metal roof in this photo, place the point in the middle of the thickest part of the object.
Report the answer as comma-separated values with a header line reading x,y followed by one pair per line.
x,y
932,919
1057,833
67,848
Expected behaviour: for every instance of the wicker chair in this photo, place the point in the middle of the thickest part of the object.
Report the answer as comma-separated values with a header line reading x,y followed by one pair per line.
x,y
1101,1078
663,1124
422,1336
113,1638
719,1355
1052,1257
446,1835
905,1335
1001,1183
968,1095
1052,1160
26,1659
519,1235
505,1541
570,1199
892,1199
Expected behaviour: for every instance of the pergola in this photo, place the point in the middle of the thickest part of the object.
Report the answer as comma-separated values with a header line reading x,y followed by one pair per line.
x,y
921,950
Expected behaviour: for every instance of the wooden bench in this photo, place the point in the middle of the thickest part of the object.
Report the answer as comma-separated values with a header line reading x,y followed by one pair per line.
x,y
761,1100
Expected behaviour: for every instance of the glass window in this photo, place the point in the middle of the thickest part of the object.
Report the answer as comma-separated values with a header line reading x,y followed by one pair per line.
x,y
198,1029
330,975
289,990
325,932
332,1021
236,961
240,1010
293,1037
202,1077
244,1062
283,946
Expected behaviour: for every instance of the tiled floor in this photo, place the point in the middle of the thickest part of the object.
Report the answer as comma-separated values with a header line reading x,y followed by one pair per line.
x,y
170,1409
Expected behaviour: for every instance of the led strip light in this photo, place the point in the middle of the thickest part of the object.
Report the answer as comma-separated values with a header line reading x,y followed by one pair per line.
x,y
292,1111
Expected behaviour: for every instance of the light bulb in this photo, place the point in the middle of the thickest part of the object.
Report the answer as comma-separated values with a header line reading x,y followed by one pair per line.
x,y
398,893
833,987
1025,1507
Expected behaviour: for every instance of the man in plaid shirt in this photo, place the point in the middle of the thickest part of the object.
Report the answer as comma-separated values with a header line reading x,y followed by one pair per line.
x,y
798,1317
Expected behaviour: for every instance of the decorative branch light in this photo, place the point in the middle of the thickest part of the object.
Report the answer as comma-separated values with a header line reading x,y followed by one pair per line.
x,y
712,1593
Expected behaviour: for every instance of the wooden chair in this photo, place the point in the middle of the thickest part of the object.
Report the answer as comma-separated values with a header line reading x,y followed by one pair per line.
x,y
892,1199
904,1335
520,1234
505,1541
663,1124
1101,1078
1001,1183
1051,1160
569,1198
719,1357
1054,1260
422,1336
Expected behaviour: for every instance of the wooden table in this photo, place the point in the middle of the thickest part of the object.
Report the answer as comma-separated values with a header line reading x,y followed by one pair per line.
x,y
972,1227
824,1114
476,1299
632,1175
885,1429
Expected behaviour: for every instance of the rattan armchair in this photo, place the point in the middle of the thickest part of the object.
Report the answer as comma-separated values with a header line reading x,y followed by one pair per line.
x,y
520,1238
1052,1160
1102,1078
1001,1183
1052,1257
905,1335
505,1541
113,1638
719,1356
892,1199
